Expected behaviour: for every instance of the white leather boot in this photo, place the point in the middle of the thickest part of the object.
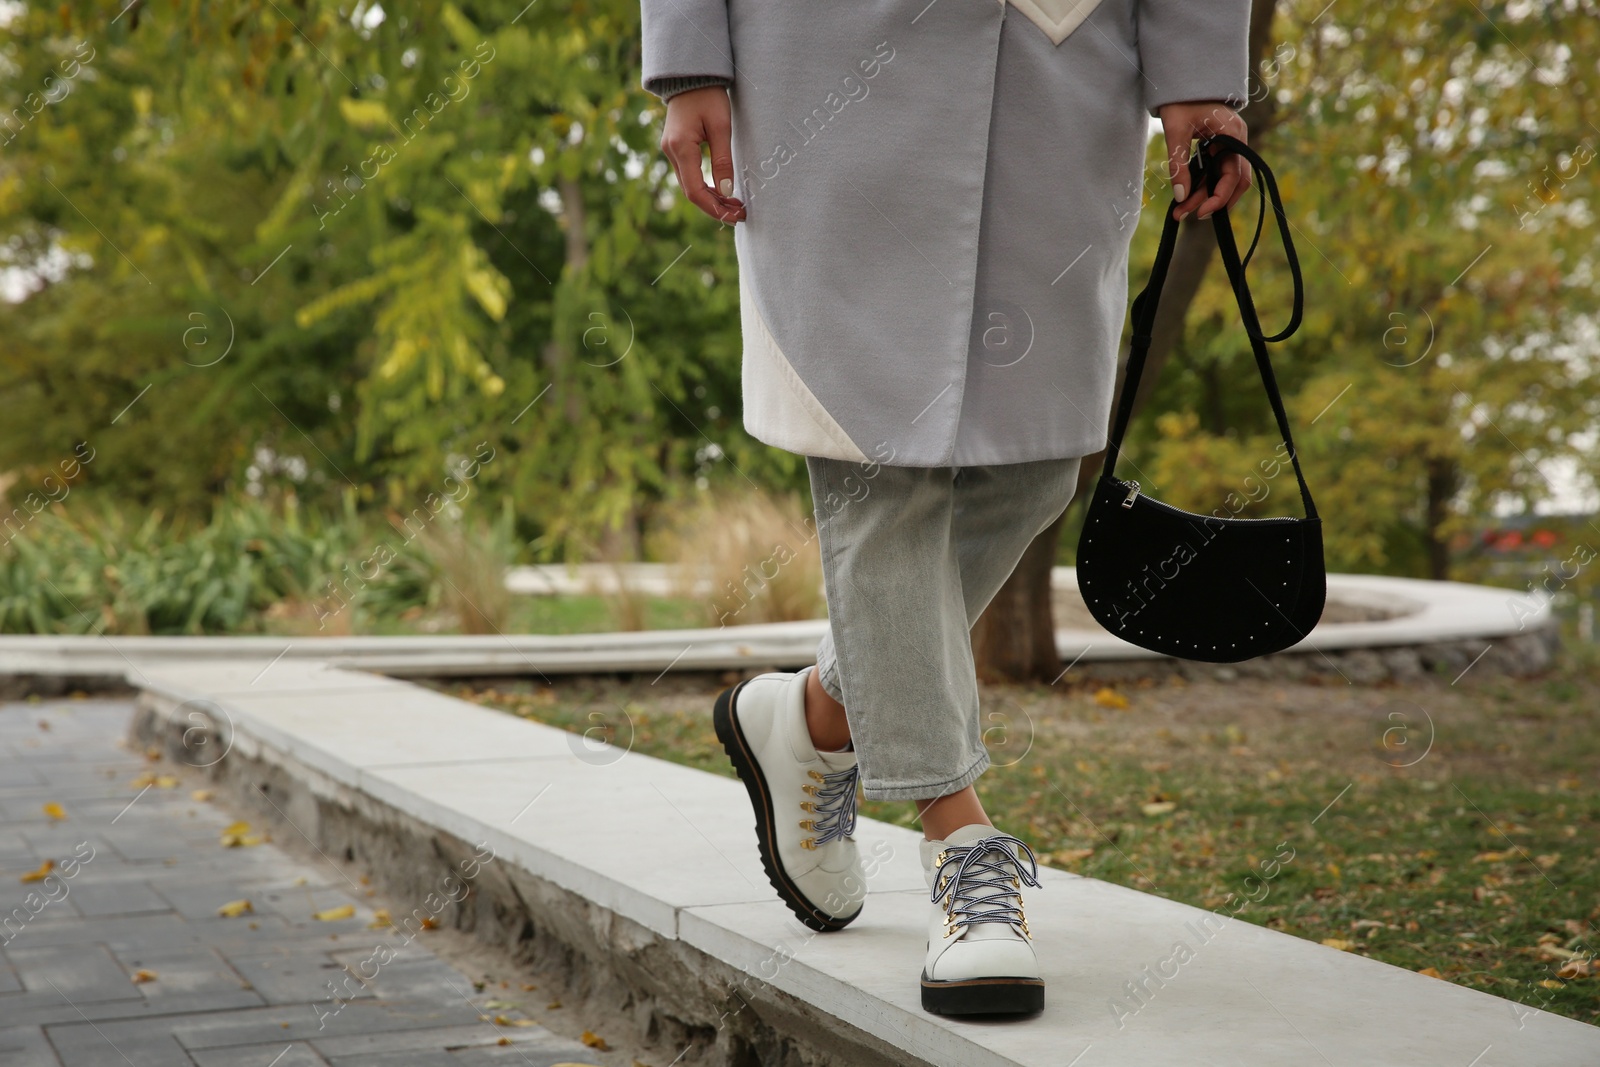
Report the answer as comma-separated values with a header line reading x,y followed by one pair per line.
x,y
805,800
980,951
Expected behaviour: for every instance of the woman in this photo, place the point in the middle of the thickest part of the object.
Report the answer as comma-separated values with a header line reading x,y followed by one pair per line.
x,y
933,202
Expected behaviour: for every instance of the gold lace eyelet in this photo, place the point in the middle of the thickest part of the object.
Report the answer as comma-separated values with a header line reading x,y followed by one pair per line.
x,y
806,805
810,843
809,790
815,775
807,824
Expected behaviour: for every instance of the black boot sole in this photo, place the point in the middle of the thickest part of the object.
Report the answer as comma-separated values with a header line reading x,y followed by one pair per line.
x,y
755,783
983,996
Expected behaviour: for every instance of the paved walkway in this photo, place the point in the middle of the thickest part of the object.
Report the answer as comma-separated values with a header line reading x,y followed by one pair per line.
x,y
120,958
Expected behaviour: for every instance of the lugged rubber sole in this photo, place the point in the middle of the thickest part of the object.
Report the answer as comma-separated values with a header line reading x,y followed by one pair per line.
x,y
755,783
983,996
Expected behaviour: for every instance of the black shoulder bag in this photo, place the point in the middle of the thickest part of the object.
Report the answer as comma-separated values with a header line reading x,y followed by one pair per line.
x,y
1203,587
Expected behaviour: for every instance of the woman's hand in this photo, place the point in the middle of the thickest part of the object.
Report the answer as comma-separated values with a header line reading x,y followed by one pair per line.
x,y
1183,123
703,117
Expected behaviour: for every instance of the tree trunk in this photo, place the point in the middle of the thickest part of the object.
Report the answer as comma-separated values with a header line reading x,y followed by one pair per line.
x,y
1014,639
1442,485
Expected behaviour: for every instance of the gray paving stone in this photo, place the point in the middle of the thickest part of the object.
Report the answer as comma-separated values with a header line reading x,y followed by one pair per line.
x,y
402,1048
241,992
303,976
102,1046
116,898
315,1021
412,973
79,973
16,774
281,1054
26,1046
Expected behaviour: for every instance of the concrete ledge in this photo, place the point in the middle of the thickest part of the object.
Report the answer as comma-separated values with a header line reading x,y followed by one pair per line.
x,y
1434,625
640,878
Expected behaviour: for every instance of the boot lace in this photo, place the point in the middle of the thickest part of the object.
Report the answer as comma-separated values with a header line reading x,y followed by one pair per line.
x,y
990,864
834,807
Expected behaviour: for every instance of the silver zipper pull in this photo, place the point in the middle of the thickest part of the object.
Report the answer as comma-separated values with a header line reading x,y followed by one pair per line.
x,y
1133,491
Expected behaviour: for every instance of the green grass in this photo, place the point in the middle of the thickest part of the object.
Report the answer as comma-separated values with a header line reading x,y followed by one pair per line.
x,y
1471,847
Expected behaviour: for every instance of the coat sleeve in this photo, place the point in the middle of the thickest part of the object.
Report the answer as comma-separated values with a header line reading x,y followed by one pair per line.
x,y
685,45
1193,50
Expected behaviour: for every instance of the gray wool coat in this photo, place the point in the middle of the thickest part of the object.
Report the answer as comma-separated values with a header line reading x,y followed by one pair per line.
x,y
940,198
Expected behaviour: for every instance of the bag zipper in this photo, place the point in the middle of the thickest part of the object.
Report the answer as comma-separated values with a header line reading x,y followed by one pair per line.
x,y
1133,492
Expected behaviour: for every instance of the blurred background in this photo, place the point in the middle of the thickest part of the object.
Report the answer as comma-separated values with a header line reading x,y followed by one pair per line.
x,y
300,291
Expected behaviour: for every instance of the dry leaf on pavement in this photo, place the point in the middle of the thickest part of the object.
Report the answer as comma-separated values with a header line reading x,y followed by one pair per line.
x,y
39,875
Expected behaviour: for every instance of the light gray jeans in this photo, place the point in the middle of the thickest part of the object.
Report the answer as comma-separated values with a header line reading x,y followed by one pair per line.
x,y
910,558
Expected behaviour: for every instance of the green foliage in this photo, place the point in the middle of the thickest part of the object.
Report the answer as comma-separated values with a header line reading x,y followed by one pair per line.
x,y
366,247
109,574
1437,162
408,236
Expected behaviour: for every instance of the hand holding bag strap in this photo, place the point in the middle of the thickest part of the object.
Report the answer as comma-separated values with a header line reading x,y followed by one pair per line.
x,y
1145,304
1236,275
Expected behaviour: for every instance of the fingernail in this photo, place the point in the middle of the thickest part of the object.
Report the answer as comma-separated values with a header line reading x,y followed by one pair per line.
x,y
1179,191
1202,217
1185,215
725,186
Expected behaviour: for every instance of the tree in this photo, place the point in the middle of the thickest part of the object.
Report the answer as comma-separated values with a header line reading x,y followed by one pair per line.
x,y
360,243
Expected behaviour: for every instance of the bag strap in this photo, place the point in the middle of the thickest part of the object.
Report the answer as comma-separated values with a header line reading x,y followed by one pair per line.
x,y
1204,166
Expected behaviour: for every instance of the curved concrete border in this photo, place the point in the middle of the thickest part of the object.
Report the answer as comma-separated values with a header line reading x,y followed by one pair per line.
x,y
1461,619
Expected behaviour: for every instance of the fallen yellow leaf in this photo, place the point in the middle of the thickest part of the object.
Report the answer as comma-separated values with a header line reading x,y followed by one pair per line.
x,y
1431,972
140,977
595,1041
1575,968
553,1005
1551,983
167,781
1339,943
1158,807
238,835
201,795
235,908
380,919
1490,857
1110,698
343,911
39,875
55,811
